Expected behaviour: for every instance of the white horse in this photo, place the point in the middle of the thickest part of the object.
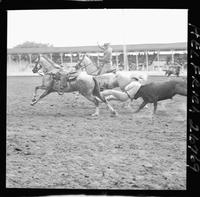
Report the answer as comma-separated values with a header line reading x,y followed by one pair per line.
x,y
111,80
83,83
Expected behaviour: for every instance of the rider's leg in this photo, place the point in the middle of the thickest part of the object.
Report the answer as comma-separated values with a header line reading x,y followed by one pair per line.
x,y
122,96
130,89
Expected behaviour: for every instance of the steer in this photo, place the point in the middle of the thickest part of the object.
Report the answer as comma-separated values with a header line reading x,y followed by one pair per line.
x,y
154,92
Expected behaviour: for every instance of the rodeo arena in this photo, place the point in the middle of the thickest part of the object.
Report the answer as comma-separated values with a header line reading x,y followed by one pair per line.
x,y
97,117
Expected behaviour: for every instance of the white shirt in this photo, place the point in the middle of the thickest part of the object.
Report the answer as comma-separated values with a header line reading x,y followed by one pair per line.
x,y
132,88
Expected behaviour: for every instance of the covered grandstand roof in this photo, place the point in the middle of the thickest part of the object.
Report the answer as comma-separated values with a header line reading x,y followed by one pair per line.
x,y
116,48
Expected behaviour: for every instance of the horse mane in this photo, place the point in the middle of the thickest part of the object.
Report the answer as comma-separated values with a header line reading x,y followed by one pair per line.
x,y
91,60
51,62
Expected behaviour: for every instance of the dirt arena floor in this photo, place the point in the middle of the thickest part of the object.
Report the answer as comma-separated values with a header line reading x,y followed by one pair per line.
x,y
55,144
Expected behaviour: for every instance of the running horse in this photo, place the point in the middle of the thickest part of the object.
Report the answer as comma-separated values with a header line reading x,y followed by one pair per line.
x,y
85,84
115,78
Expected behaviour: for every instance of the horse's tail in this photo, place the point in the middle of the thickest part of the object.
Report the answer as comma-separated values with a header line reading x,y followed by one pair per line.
x,y
96,91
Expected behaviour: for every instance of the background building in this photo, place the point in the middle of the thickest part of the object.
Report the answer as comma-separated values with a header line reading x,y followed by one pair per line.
x,y
149,57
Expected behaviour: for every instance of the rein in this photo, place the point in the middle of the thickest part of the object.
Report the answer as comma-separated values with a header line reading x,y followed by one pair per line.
x,y
88,65
82,59
85,66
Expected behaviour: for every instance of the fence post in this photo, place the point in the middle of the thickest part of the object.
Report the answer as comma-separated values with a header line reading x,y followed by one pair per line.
x,y
136,60
147,64
158,58
125,58
61,58
172,57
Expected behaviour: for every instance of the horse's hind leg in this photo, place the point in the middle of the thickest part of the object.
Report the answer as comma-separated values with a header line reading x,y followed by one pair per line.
x,y
95,101
45,93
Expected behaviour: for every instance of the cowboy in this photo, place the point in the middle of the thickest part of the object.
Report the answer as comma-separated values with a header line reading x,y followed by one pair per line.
x,y
107,58
129,93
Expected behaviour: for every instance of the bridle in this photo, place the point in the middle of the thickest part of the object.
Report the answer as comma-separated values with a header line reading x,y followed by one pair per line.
x,y
85,66
36,66
79,63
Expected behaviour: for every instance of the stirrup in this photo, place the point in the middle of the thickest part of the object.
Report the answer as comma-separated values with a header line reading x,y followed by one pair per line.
x,y
60,92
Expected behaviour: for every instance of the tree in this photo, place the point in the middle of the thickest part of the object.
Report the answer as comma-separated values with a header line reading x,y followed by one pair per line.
x,y
29,44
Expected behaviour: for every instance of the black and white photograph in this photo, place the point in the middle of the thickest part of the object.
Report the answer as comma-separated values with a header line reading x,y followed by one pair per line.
x,y
97,99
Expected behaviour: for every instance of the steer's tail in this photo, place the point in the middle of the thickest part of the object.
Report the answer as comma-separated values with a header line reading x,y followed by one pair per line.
x,y
181,88
96,91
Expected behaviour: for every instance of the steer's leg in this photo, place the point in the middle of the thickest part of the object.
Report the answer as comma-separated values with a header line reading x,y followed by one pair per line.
x,y
141,106
155,106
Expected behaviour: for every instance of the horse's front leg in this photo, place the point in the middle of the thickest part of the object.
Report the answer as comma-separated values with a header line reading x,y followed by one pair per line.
x,y
45,93
141,106
35,92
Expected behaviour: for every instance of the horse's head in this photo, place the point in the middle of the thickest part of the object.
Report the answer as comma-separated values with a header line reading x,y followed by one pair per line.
x,y
81,62
43,62
37,66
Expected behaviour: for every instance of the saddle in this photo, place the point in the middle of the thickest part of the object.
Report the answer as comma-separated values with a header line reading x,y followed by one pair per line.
x,y
65,78
71,76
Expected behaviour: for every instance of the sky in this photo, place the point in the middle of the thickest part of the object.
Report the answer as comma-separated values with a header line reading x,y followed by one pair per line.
x,y
83,27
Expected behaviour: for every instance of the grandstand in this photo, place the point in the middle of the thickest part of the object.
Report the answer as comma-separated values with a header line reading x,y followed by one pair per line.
x,y
150,57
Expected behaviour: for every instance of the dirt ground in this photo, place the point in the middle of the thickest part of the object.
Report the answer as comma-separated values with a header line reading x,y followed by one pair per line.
x,y
55,144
